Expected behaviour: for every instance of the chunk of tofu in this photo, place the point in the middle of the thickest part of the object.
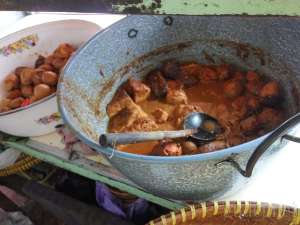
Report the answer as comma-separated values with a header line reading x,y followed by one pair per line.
x,y
160,116
120,101
137,90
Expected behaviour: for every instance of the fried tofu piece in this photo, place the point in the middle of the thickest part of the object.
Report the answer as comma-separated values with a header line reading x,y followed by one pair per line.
x,y
137,90
120,101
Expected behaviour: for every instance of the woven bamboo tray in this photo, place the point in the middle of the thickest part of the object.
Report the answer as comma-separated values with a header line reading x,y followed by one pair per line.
x,y
232,213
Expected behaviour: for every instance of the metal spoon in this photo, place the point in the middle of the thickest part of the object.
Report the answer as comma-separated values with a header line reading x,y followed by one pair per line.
x,y
199,126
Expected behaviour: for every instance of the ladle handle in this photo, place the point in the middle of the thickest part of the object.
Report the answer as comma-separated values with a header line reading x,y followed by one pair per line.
x,y
112,139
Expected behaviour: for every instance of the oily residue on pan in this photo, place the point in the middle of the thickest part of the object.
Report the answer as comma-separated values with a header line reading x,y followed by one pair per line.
x,y
243,51
72,86
81,121
106,88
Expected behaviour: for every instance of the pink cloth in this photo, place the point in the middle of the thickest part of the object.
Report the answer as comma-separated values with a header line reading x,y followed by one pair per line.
x,y
13,196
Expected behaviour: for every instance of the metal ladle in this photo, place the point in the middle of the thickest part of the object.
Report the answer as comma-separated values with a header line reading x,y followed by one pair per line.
x,y
199,126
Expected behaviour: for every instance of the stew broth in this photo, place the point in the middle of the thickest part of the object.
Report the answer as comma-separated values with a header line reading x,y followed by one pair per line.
x,y
245,103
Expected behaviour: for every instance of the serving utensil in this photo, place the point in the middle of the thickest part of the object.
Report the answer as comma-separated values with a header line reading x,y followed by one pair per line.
x,y
199,126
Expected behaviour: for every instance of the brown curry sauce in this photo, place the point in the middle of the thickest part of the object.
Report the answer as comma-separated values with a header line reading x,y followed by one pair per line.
x,y
245,102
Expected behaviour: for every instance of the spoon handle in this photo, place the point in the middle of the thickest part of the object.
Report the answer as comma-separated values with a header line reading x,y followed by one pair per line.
x,y
112,139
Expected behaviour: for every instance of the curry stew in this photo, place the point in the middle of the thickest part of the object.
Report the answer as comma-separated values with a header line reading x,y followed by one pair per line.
x,y
245,103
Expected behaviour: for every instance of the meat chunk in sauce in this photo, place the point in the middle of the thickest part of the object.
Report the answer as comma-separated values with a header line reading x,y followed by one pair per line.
x,y
185,73
270,89
245,105
249,124
160,116
253,77
239,100
240,106
239,76
226,117
167,148
157,83
208,74
212,146
254,83
253,104
233,88
131,119
120,101
269,118
190,69
171,69
254,87
137,90
189,147
270,93
223,71
176,96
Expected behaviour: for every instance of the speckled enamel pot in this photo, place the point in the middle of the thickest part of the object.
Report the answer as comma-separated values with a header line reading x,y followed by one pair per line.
x,y
137,44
